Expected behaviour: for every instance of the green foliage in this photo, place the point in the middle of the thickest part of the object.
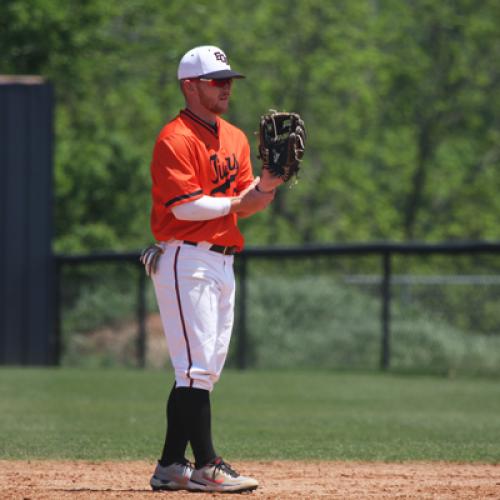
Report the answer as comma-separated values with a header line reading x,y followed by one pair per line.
x,y
316,321
96,306
399,98
264,415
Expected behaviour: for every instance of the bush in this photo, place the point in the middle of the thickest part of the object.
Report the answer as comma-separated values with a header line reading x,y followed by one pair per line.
x,y
316,321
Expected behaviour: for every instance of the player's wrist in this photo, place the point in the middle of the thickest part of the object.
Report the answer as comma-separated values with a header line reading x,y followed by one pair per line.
x,y
259,189
235,206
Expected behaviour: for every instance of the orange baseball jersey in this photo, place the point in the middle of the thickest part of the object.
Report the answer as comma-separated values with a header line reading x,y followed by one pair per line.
x,y
192,159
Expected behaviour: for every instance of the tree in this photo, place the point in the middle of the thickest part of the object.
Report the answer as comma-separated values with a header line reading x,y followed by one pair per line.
x,y
399,99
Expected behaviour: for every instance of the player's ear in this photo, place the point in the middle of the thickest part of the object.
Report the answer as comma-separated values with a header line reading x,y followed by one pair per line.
x,y
187,86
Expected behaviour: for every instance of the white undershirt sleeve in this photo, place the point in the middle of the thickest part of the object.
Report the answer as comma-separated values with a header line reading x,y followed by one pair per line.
x,y
204,208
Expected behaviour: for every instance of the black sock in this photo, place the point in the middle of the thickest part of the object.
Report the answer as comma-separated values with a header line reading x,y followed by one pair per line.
x,y
176,438
196,412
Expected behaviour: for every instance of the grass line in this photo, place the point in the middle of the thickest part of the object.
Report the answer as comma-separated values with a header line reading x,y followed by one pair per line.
x,y
263,415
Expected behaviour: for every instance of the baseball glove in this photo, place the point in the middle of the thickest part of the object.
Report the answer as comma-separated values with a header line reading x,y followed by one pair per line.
x,y
150,257
282,143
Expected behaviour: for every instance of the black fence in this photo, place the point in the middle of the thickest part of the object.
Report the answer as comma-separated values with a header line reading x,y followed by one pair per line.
x,y
382,279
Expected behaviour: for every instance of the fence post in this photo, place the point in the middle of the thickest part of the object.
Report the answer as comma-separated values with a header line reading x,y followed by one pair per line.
x,y
241,346
56,339
386,311
141,318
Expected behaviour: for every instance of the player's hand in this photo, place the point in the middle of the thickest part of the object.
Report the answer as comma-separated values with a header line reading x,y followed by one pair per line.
x,y
268,182
251,200
150,257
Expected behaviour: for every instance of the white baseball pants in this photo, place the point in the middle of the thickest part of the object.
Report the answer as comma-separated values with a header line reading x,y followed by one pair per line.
x,y
195,290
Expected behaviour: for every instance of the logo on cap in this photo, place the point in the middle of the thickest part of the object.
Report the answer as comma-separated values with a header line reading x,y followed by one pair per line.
x,y
220,56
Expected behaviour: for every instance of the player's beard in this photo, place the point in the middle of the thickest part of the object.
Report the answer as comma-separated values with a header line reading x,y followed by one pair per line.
x,y
215,104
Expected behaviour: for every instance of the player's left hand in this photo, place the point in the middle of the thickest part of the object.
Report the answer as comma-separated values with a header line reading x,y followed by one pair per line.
x,y
268,182
150,257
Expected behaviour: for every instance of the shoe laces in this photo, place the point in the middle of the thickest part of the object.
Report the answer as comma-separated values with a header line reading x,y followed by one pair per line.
x,y
186,463
224,467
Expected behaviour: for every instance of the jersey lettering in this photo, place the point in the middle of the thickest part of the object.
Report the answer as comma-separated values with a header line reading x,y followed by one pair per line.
x,y
227,171
224,187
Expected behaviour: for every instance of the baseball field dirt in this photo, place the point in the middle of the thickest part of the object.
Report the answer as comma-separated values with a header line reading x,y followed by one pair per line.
x,y
44,480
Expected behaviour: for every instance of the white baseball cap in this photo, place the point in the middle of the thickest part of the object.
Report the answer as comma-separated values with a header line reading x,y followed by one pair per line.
x,y
206,61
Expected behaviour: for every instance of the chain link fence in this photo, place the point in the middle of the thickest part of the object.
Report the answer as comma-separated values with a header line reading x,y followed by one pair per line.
x,y
415,308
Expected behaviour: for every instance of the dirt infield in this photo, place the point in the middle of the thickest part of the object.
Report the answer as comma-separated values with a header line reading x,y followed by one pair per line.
x,y
44,480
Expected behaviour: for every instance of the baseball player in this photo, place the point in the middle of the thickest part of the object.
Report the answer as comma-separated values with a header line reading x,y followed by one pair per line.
x,y
202,182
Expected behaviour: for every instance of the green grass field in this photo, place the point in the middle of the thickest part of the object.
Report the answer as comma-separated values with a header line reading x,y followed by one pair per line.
x,y
119,415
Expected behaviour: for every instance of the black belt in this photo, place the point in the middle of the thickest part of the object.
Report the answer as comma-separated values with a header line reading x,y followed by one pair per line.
x,y
215,248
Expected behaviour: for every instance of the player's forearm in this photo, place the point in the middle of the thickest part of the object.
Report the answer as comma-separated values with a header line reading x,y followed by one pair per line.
x,y
204,208
251,202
